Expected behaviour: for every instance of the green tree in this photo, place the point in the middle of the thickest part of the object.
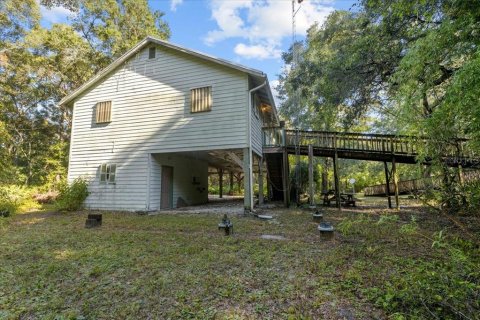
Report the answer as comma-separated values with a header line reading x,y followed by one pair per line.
x,y
39,66
112,27
413,65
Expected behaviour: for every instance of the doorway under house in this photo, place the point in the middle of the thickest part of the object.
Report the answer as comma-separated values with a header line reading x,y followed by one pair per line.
x,y
181,179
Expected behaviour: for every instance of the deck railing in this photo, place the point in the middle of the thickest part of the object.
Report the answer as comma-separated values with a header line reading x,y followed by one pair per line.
x,y
273,137
376,143
414,185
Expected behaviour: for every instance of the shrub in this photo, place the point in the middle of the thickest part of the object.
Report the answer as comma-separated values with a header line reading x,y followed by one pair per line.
x,y
12,198
213,190
71,196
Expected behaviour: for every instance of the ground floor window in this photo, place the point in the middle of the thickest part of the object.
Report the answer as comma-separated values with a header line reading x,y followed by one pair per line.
x,y
108,173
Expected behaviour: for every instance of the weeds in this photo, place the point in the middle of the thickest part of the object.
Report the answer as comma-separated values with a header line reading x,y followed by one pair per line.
x,y
446,287
179,266
12,198
71,196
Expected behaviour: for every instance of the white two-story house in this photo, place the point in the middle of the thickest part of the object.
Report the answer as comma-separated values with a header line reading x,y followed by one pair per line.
x,y
146,129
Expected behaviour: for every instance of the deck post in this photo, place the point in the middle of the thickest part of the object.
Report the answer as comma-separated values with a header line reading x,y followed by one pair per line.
x,y
337,182
395,182
387,184
310,176
260,182
297,168
247,198
461,178
231,183
220,183
286,178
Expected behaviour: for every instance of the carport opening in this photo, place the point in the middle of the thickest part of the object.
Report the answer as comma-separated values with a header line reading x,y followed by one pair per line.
x,y
200,177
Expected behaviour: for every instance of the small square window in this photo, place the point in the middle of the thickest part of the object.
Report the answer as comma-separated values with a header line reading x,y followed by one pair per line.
x,y
151,53
201,99
103,112
108,173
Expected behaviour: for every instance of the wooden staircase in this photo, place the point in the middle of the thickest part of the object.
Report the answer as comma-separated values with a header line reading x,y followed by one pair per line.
x,y
275,173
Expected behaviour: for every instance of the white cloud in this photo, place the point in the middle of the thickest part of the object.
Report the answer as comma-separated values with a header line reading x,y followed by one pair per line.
x,y
264,23
258,51
54,14
174,4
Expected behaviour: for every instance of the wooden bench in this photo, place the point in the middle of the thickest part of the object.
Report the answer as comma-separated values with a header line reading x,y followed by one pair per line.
x,y
346,199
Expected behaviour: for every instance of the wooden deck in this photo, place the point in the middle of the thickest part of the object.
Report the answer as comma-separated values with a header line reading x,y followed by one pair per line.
x,y
279,142
361,146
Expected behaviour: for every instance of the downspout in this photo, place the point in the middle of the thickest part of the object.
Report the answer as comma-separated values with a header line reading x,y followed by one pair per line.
x,y
250,162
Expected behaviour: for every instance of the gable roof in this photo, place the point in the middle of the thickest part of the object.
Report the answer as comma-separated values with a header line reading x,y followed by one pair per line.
x,y
142,44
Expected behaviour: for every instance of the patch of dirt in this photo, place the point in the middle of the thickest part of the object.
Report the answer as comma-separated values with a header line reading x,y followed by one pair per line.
x,y
230,205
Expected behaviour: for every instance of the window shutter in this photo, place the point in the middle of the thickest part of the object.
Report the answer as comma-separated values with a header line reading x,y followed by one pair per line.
x,y
108,173
103,112
113,169
103,173
201,99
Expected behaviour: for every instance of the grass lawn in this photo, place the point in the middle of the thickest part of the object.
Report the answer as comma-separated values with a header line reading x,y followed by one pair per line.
x,y
181,266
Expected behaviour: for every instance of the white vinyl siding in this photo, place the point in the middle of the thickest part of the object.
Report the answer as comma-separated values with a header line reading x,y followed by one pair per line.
x,y
152,115
155,184
256,128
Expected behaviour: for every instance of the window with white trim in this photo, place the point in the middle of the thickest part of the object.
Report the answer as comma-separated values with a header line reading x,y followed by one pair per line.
x,y
151,53
108,173
201,99
103,112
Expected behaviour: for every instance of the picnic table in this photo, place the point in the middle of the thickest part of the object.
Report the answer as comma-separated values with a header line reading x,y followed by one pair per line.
x,y
346,199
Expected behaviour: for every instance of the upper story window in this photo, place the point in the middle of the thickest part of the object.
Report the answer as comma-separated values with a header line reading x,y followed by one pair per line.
x,y
151,53
256,105
108,172
103,112
201,99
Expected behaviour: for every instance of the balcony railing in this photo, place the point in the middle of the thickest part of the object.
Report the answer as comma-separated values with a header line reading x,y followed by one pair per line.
x,y
361,142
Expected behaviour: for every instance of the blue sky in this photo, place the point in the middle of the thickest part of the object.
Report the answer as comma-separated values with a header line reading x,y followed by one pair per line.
x,y
250,32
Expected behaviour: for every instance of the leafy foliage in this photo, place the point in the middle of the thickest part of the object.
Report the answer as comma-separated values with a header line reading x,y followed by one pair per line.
x,y
302,166
39,66
12,197
72,196
395,66
446,287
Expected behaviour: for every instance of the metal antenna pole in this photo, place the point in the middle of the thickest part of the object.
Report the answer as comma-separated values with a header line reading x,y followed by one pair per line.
x,y
295,102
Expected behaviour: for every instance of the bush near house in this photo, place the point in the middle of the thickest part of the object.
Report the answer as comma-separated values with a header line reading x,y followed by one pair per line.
x,y
71,196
